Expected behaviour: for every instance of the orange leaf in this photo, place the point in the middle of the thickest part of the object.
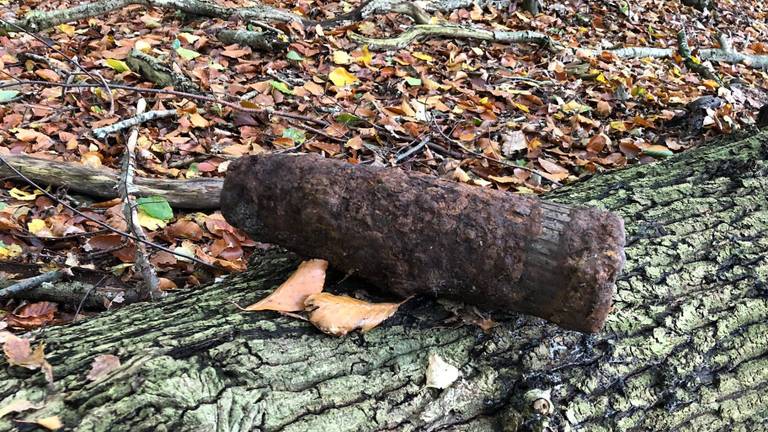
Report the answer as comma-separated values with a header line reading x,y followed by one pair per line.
x,y
308,279
339,315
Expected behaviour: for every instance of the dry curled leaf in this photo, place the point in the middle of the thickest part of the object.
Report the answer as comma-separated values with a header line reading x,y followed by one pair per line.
x,y
102,365
308,279
18,352
440,374
339,315
32,315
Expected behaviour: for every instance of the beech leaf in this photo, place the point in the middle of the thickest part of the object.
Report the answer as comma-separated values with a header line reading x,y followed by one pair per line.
x,y
339,315
290,296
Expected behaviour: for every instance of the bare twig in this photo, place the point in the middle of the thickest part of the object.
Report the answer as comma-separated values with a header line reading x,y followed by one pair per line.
x,y
32,282
127,189
102,132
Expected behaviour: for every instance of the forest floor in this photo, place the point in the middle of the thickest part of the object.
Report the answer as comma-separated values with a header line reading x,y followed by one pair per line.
x,y
517,117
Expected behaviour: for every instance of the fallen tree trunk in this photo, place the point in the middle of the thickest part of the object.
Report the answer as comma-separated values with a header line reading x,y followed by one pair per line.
x,y
411,233
684,349
196,194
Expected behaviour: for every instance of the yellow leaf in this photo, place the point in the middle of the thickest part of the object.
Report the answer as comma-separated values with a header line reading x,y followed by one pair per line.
x,y
423,56
308,279
9,251
36,225
66,29
574,106
198,121
340,77
521,107
339,315
341,57
712,84
619,126
118,65
149,222
24,196
365,56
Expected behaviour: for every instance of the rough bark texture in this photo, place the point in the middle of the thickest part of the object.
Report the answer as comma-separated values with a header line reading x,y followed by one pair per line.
x,y
200,193
684,349
412,233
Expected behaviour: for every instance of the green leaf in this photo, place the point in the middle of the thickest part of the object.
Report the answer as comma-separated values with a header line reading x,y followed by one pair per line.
x,y
118,65
658,153
413,81
293,55
298,136
3,205
281,87
156,207
187,54
348,119
7,95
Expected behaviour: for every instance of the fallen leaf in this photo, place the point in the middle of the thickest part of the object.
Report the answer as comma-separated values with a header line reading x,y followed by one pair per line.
x,y
32,315
36,225
291,295
339,315
340,77
24,196
50,423
440,374
18,352
17,405
102,365
341,57
513,142
118,65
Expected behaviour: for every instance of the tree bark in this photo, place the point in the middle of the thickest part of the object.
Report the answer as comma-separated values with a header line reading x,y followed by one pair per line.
x,y
684,349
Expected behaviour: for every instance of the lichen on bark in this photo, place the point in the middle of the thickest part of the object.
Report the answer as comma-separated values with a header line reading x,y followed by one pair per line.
x,y
684,348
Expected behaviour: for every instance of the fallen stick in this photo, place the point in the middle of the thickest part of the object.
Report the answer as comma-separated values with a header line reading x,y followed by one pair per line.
x,y
414,234
138,119
131,212
196,194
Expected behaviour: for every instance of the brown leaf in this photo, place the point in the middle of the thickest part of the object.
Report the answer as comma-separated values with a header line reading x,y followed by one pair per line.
x,y
184,229
18,352
102,365
307,280
32,315
598,142
339,315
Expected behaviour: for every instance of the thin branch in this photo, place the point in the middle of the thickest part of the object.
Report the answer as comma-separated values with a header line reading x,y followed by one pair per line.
x,y
423,31
33,282
103,132
130,213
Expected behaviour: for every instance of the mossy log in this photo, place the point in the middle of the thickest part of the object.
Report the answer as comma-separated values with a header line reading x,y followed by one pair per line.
x,y
684,348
